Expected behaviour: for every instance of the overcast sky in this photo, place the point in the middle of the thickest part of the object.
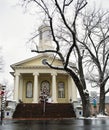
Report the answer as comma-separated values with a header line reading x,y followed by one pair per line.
x,y
16,27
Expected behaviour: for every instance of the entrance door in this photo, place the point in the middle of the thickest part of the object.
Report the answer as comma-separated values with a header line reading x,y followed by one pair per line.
x,y
45,87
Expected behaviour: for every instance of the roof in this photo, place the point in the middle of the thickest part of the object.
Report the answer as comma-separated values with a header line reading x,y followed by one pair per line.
x,y
33,61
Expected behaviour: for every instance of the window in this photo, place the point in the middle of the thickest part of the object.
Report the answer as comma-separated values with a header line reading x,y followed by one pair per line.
x,y
61,90
45,87
29,90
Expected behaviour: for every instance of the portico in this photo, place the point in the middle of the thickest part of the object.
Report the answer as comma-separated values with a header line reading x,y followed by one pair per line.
x,y
30,81
32,77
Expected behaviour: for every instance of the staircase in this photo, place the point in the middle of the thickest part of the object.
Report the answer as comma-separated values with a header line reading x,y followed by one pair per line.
x,y
52,110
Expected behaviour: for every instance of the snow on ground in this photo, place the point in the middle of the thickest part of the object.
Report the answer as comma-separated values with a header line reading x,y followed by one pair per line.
x,y
102,116
99,116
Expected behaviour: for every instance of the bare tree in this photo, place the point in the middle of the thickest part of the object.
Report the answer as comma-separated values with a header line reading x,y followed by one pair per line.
x,y
95,42
62,17
1,60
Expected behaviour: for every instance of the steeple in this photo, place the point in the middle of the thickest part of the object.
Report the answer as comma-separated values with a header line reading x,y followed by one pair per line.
x,y
45,38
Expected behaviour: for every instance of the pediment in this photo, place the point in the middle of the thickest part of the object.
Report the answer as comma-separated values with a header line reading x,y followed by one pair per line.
x,y
37,61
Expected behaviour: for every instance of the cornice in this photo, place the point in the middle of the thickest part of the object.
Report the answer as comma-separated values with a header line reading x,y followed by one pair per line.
x,y
31,67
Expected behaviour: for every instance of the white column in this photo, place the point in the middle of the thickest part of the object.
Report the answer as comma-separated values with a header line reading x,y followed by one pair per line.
x,y
16,87
35,92
20,87
54,86
74,91
70,89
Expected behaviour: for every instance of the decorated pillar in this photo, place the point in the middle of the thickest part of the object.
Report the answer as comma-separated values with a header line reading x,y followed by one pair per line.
x,y
54,88
16,87
35,92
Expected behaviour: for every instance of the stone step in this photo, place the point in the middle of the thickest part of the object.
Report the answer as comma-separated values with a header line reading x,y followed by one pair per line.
x,y
52,110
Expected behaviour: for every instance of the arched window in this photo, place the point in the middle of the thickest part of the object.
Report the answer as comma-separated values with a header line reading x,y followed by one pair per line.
x,y
29,89
61,90
45,87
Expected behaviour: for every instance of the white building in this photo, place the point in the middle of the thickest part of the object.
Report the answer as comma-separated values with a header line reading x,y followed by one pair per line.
x,y
32,77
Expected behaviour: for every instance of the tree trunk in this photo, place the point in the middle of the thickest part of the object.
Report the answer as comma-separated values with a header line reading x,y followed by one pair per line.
x,y
84,96
86,105
102,100
85,102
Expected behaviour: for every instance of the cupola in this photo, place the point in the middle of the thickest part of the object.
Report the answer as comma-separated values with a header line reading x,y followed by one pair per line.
x,y
45,37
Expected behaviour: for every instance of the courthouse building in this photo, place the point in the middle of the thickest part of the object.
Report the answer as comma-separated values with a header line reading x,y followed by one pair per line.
x,y
32,77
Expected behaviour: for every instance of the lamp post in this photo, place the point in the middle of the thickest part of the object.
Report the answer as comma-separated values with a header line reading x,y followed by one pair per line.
x,y
44,99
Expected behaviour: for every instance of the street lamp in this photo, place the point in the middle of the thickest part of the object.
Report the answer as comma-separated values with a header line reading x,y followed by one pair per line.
x,y
44,99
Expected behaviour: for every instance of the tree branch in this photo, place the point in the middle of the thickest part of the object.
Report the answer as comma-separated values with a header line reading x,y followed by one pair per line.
x,y
53,35
55,67
105,64
66,4
49,51
106,91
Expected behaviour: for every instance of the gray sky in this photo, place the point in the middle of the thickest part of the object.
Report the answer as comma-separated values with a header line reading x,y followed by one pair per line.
x,y
16,27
